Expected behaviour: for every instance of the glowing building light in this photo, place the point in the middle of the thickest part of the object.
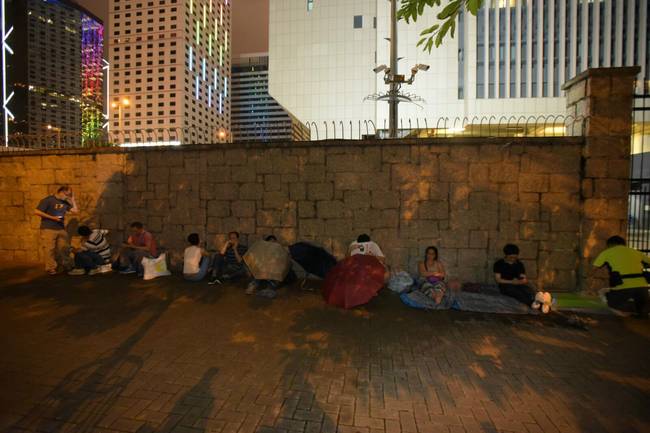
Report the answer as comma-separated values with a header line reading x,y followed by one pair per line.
x,y
220,55
209,96
216,29
220,15
225,86
210,6
191,7
196,87
210,45
205,16
6,49
198,32
226,40
216,78
152,144
203,68
220,103
191,56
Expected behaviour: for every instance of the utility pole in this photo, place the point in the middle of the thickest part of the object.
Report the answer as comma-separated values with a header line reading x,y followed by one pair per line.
x,y
394,80
394,88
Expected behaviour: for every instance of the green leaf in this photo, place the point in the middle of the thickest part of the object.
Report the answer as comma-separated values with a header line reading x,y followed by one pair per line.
x,y
473,6
450,10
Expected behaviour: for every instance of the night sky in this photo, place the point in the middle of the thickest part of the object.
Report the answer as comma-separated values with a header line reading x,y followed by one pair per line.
x,y
250,24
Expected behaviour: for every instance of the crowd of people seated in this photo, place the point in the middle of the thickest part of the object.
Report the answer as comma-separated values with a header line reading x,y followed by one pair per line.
x,y
628,280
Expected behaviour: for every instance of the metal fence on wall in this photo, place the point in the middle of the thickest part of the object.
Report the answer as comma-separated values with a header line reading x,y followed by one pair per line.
x,y
419,128
639,199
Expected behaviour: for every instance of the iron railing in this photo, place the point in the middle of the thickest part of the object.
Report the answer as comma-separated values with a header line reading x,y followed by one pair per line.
x,y
486,126
639,198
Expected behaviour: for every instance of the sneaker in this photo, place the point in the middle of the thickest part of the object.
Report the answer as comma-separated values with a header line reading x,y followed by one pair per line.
x,y
77,271
94,271
51,272
127,271
535,305
267,293
251,288
214,281
103,269
548,303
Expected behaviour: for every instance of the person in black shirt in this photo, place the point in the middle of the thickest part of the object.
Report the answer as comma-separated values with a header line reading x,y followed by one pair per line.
x,y
228,264
510,275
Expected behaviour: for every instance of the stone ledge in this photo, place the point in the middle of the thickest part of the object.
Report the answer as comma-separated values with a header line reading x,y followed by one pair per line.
x,y
324,144
626,71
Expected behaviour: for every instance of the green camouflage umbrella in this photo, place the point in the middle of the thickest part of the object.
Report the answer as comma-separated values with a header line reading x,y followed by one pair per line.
x,y
267,261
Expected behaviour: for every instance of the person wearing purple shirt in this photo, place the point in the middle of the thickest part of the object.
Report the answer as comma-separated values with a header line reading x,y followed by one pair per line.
x,y
52,210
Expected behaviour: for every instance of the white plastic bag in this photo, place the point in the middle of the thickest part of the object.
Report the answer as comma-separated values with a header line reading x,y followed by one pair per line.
x,y
400,281
154,268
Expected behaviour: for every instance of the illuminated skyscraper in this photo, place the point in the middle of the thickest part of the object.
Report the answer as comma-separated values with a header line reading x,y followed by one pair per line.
x,y
256,116
170,71
55,71
507,62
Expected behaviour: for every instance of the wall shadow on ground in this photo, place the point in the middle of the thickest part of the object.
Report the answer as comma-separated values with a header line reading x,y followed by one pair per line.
x,y
475,372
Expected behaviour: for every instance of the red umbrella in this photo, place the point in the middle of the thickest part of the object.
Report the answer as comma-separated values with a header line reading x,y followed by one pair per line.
x,y
353,281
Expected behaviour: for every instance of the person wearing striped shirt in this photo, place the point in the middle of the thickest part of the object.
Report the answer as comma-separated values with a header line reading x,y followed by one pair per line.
x,y
94,255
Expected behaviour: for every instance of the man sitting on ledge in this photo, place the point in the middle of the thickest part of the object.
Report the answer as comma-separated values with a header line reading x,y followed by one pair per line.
x,y
627,280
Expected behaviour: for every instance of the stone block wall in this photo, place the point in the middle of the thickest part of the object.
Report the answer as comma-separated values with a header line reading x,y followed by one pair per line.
x,y
466,196
558,198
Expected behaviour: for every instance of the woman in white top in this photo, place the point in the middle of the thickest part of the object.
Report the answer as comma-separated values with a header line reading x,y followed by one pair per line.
x,y
364,246
196,260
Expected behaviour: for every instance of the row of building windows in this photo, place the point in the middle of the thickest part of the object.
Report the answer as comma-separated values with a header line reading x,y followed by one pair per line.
x,y
504,34
127,6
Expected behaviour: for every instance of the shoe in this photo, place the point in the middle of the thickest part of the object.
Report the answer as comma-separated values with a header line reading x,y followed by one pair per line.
x,y
535,305
602,294
77,271
267,293
127,271
104,269
94,271
548,303
51,272
250,290
214,281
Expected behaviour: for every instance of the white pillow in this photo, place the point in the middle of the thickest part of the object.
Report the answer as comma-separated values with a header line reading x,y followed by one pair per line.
x,y
154,268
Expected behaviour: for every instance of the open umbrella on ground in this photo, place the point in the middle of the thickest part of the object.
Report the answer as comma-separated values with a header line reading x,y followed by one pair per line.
x,y
267,261
312,258
353,281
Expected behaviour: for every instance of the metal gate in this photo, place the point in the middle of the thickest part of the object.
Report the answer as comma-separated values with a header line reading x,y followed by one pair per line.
x,y
639,199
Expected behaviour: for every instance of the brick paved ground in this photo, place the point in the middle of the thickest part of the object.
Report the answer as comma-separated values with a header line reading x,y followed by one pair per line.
x,y
113,354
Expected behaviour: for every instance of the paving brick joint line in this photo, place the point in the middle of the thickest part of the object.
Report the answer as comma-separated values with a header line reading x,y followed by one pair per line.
x,y
116,354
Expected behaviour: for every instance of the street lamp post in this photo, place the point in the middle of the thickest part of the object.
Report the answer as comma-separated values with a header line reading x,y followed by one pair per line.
x,y
58,134
125,102
393,79
393,89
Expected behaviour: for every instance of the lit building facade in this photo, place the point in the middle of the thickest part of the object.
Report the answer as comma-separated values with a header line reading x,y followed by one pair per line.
x,y
256,116
55,71
509,61
170,71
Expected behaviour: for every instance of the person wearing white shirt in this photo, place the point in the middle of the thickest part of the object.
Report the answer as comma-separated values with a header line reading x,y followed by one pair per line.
x,y
196,260
365,246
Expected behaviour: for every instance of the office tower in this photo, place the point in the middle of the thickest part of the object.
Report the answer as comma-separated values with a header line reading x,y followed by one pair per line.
x,y
256,116
55,73
509,61
170,71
